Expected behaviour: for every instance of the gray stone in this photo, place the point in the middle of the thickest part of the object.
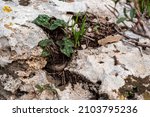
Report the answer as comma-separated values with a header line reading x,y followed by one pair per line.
x,y
111,64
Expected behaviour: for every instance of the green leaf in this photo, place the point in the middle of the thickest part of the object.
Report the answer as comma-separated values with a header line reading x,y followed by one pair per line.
x,y
54,26
122,19
125,12
68,42
44,43
57,23
132,13
66,46
148,9
77,38
45,53
67,51
40,88
83,26
60,22
78,34
42,20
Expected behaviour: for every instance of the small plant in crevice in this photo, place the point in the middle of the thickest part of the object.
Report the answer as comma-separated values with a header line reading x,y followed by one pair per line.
x,y
130,94
67,41
78,32
144,6
52,25
135,12
50,88
126,17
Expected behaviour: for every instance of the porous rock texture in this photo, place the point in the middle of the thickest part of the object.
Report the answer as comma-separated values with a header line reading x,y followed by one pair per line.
x,y
112,64
110,71
20,57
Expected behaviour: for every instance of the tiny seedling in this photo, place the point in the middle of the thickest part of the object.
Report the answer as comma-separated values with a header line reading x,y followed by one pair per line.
x,y
41,88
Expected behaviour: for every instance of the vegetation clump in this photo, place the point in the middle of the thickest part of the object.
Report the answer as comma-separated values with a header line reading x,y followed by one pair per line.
x,y
70,39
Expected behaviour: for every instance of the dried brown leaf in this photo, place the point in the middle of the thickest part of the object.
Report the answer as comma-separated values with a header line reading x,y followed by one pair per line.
x,y
110,39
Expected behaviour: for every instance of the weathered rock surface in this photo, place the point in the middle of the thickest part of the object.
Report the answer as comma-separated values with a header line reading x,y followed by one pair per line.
x,y
112,64
110,70
20,61
19,54
76,93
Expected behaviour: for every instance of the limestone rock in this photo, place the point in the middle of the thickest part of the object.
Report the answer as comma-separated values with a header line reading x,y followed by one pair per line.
x,y
118,65
111,64
9,83
78,93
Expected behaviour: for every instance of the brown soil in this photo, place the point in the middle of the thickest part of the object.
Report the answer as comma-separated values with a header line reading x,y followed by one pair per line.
x,y
99,30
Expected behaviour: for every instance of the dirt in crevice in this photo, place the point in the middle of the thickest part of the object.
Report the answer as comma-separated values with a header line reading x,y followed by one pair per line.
x,y
62,79
24,2
10,70
4,95
136,86
96,30
20,93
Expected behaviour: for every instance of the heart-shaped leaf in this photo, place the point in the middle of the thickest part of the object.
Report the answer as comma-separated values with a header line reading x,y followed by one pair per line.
x,y
45,42
42,20
45,53
57,23
66,46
